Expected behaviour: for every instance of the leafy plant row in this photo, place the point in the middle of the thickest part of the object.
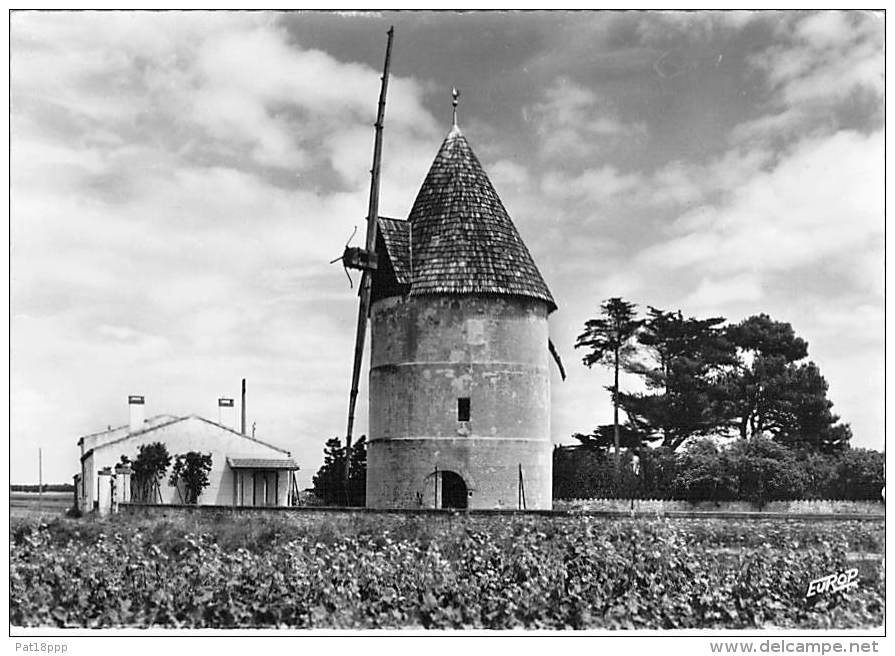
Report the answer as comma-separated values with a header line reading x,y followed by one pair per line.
x,y
465,572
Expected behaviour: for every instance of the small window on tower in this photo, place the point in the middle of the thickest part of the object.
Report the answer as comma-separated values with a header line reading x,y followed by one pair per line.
x,y
463,409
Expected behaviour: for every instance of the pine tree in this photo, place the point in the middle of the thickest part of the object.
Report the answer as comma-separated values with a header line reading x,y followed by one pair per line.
x,y
683,361
608,339
329,479
772,393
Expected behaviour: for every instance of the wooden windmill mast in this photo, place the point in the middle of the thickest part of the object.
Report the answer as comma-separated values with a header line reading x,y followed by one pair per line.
x,y
365,260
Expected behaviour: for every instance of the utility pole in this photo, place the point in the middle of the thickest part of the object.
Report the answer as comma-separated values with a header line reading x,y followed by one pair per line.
x,y
40,479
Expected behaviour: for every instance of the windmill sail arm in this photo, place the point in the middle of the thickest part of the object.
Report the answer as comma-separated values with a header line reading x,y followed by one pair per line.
x,y
367,261
556,358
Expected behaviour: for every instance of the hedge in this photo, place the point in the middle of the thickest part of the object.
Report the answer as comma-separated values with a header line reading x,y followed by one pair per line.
x,y
756,470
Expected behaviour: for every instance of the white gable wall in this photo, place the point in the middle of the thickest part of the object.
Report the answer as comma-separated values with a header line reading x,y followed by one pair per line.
x,y
113,435
191,434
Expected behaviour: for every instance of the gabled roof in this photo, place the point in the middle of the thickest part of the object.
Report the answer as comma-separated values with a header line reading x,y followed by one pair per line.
x,y
459,238
236,432
112,434
119,436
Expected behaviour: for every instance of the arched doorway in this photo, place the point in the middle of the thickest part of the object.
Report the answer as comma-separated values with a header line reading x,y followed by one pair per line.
x,y
453,491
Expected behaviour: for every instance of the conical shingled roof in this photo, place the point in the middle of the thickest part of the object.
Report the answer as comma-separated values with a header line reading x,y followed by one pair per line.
x,y
462,239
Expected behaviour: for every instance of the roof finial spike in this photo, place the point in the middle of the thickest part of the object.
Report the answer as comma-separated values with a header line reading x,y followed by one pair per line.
x,y
455,93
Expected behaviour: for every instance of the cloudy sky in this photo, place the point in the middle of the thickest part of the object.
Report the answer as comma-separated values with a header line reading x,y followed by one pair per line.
x,y
180,181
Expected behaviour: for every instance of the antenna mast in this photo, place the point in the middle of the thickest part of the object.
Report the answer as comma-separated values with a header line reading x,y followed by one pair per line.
x,y
366,261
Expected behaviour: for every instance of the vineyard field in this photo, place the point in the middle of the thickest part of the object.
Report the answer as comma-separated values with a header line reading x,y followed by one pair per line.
x,y
362,571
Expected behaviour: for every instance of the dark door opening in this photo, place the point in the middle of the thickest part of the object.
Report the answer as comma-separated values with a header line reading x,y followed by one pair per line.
x,y
453,491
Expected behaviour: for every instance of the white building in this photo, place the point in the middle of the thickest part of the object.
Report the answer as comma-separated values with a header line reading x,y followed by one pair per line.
x,y
245,471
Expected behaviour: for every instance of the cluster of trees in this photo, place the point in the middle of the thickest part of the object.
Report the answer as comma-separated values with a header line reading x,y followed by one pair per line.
x,y
329,481
701,380
758,470
703,377
189,473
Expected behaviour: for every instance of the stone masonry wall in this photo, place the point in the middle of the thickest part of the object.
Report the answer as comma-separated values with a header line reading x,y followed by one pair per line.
x,y
400,473
429,351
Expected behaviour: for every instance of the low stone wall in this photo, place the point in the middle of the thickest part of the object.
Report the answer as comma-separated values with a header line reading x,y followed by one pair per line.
x,y
660,506
813,510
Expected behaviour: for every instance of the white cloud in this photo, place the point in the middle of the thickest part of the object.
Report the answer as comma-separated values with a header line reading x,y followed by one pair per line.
x,y
824,29
507,173
591,185
824,201
657,28
680,189
826,60
572,121
231,84
715,293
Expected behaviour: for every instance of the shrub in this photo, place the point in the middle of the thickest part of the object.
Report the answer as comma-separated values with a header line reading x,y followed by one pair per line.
x,y
859,474
819,471
576,472
190,472
765,471
704,473
149,467
584,473
754,469
658,469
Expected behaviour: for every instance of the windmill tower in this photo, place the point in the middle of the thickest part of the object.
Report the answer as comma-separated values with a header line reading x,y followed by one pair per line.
x,y
459,378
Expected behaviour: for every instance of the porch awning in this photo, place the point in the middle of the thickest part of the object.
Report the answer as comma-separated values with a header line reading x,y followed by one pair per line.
x,y
262,463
